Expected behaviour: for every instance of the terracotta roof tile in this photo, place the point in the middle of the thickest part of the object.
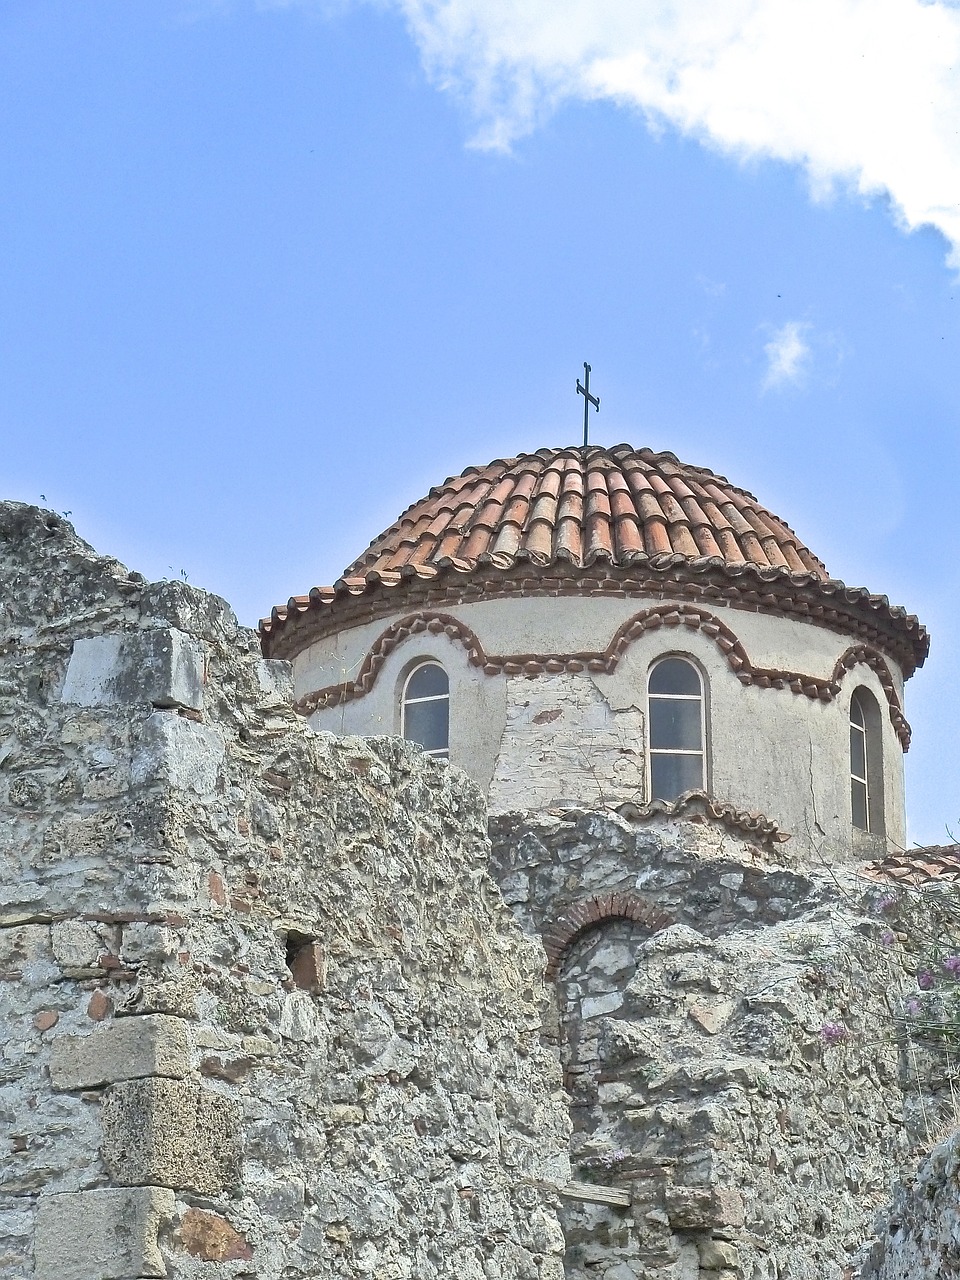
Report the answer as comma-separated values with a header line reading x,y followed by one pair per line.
x,y
579,507
657,535
507,540
916,867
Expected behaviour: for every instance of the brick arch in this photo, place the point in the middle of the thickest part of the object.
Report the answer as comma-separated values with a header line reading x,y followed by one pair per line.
x,y
591,912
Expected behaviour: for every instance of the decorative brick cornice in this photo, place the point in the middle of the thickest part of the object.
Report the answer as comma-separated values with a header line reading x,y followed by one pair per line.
x,y
591,912
436,624
663,616
851,611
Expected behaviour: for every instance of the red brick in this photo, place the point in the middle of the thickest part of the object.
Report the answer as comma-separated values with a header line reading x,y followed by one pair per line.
x,y
216,889
99,1007
211,1238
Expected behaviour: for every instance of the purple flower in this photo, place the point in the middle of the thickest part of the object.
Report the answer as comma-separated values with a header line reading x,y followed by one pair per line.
x,y
952,965
888,938
925,980
833,1032
884,904
912,1007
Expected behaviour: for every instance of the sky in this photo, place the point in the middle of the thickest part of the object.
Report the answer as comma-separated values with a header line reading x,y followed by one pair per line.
x,y
269,269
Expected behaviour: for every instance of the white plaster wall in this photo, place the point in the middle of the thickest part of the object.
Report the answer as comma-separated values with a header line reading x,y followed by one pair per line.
x,y
568,624
773,751
478,703
564,741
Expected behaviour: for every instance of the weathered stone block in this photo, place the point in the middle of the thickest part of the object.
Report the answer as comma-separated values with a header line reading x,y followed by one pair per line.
x,y
173,1133
718,1254
128,1048
76,944
163,667
275,679
24,946
101,1235
178,753
148,944
701,1208
188,609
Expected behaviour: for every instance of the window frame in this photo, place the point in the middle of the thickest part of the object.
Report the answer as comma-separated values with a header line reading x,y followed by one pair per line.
x,y
701,698
435,753
870,729
859,726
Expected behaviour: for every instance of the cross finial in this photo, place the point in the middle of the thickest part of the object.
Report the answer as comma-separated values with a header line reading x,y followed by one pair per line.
x,y
588,400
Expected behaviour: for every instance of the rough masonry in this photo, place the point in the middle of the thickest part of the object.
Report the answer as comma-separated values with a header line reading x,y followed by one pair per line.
x,y
280,1004
265,1012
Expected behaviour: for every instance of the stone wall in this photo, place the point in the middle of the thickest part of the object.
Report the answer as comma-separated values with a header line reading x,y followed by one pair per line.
x,y
919,1237
734,1079
264,1012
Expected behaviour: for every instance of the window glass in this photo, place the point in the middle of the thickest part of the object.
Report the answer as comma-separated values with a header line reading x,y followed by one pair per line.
x,y
856,711
425,710
675,720
858,752
674,676
428,681
671,775
675,723
858,800
866,770
426,723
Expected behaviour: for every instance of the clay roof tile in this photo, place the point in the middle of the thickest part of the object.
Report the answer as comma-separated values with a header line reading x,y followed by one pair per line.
x,y
578,506
919,866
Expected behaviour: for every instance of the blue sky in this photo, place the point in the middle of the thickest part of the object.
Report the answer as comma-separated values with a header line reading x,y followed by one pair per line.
x,y
269,270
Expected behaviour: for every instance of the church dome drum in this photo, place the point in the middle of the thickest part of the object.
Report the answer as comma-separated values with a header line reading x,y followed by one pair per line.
x,y
598,626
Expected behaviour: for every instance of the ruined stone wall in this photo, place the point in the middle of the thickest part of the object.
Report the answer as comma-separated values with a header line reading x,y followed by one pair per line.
x,y
264,1013
919,1237
734,1077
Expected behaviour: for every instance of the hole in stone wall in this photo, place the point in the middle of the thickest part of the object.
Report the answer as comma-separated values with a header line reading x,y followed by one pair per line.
x,y
592,988
305,960
295,941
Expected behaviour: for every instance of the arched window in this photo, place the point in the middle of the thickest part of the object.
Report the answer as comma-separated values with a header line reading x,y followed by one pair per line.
x,y
675,714
425,709
866,762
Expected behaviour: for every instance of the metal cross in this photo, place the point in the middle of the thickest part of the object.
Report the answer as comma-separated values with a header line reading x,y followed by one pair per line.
x,y
588,400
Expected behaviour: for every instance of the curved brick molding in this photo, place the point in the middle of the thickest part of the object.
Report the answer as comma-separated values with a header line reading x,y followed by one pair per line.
x,y
698,805
861,653
414,624
590,913
670,616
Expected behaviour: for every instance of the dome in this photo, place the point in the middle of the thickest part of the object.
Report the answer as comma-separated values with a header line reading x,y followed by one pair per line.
x,y
591,520
581,506
618,505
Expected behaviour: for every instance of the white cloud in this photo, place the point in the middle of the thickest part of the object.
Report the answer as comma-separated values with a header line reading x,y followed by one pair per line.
x,y
861,93
788,355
